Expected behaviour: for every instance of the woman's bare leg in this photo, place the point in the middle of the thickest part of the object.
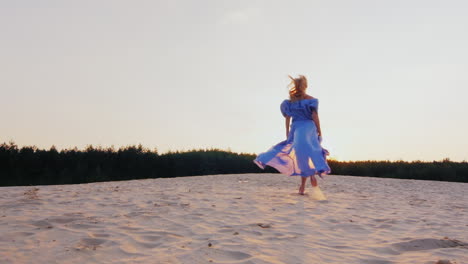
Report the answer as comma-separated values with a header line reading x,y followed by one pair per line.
x,y
303,181
313,181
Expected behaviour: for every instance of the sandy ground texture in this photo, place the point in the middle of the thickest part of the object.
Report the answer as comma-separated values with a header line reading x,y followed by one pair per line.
x,y
243,218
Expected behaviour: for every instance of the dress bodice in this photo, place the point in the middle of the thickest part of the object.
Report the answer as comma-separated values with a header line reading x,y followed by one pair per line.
x,y
299,110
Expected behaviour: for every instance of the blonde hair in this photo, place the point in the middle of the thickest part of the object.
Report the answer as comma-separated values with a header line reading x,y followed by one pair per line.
x,y
297,87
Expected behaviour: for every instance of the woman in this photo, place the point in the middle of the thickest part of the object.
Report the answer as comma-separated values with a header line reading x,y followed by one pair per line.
x,y
301,154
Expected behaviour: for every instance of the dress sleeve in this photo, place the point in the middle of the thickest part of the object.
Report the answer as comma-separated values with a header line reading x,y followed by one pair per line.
x,y
285,108
313,105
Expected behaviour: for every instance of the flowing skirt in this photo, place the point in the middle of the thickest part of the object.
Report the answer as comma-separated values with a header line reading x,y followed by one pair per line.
x,y
300,155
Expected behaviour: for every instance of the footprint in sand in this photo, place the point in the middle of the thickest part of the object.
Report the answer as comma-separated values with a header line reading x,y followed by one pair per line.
x,y
226,255
13,236
100,235
209,255
427,244
42,224
155,239
62,220
89,243
82,226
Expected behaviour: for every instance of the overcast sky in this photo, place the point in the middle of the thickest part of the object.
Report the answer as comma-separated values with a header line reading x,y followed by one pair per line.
x,y
391,76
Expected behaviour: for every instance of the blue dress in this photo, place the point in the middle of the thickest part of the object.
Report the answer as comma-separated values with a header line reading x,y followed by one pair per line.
x,y
301,154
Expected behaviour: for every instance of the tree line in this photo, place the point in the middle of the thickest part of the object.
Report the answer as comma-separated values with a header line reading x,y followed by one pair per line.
x,y
30,165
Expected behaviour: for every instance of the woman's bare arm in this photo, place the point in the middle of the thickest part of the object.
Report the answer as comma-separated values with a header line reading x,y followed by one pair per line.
x,y
316,120
287,122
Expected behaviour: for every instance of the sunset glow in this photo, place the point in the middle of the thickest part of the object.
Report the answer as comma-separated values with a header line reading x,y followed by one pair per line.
x,y
179,75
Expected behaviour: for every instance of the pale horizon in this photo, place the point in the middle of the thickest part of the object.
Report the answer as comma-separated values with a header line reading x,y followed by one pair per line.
x,y
390,76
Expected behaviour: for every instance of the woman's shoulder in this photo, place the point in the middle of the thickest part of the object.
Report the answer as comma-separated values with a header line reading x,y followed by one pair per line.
x,y
306,98
311,101
310,98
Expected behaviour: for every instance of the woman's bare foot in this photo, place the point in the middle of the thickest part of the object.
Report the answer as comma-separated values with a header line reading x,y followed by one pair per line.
x,y
301,190
303,182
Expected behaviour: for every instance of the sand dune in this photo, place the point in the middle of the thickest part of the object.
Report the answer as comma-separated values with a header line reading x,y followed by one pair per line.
x,y
246,218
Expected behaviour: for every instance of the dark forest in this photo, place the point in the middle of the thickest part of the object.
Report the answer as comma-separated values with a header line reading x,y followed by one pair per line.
x,y
29,165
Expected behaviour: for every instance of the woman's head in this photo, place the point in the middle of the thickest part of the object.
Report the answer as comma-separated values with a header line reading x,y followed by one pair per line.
x,y
297,87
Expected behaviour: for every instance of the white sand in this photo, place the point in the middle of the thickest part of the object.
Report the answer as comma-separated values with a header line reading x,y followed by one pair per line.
x,y
246,218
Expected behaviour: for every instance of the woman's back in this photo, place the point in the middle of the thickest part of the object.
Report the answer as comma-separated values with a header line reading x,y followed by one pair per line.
x,y
300,109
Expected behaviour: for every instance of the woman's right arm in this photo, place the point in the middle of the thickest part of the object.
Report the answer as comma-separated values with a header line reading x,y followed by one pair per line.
x,y
316,120
287,122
